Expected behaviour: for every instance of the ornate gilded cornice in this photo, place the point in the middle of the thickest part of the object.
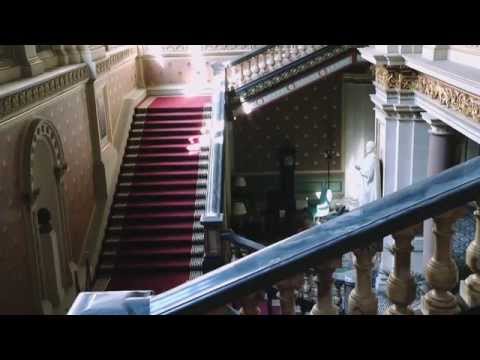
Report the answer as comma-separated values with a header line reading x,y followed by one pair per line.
x,y
395,77
449,96
112,60
293,71
23,98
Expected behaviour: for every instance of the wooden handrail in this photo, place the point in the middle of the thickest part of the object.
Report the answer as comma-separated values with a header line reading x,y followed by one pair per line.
x,y
359,228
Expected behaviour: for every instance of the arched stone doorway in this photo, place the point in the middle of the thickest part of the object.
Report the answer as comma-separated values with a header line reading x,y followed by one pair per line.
x,y
49,249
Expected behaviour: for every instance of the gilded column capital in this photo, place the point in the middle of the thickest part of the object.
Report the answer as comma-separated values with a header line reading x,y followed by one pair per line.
x,y
395,77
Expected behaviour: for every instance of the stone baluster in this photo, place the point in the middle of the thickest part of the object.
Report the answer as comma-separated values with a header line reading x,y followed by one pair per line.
x,y
245,72
270,59
325,305
61,53
74,56
285,54
254,66
302,49
262,63
470,288
250,303
441,271
294,51
401,285
362,299
277,56
287,289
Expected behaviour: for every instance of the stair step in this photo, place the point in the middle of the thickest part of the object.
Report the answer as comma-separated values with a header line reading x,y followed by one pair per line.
x,y
163,142
154,218
161,185
149,229
185,156
146,124
160,195
157,206
156,240
164,165
129,175
165,252
198,130
171,110
173,116
172,265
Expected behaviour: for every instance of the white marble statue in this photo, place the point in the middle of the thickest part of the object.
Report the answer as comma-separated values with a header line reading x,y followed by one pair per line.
x,y
369,169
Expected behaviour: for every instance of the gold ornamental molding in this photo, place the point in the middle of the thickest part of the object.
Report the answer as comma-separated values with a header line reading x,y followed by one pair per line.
x,y
450,96
105,65
395,77
404,78
23,98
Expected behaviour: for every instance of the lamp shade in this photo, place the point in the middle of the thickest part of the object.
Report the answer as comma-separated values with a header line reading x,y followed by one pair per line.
x,y
239,209
240,181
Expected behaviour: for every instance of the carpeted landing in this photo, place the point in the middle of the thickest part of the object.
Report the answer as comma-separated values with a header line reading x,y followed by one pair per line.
x,y
154,240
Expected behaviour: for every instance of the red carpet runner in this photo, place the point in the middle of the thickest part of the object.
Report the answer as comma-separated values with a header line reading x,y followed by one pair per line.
x,y
154,240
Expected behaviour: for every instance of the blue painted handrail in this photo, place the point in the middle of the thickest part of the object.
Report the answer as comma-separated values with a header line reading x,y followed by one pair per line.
x,y
359,228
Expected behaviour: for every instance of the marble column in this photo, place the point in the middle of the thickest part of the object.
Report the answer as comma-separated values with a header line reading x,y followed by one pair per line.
x,y
441,156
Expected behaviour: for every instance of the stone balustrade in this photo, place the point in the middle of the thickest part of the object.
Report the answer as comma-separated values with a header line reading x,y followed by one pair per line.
x,y
265,62
441,274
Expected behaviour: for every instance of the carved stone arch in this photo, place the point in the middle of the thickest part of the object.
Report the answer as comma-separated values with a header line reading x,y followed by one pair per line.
x,y
43,168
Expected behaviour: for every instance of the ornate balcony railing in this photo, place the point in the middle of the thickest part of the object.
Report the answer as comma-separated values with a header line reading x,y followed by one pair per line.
x,y
275,64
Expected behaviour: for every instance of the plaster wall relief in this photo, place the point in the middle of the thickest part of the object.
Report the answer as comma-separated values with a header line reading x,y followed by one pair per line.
x,y
309,119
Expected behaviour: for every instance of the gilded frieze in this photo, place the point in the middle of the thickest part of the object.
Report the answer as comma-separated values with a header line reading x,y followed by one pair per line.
x,y
395,77
450,96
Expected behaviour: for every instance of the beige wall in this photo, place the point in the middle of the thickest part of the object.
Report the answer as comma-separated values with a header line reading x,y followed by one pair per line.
x,y
69,114
119,82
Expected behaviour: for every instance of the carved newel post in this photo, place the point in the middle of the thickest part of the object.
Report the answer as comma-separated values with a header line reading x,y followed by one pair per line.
x,y
470,289
287,293
401,285
362,299
325,305
250,303
441,271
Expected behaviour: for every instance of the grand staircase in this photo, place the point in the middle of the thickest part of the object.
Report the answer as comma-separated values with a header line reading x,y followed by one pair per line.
x,y
154,239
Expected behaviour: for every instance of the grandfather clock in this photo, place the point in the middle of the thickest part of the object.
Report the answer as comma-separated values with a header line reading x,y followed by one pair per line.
x,y
286,156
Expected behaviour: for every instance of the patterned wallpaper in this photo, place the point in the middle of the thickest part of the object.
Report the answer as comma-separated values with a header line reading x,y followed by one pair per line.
x,y
170,71
120,82
69,114
310,119
15,294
